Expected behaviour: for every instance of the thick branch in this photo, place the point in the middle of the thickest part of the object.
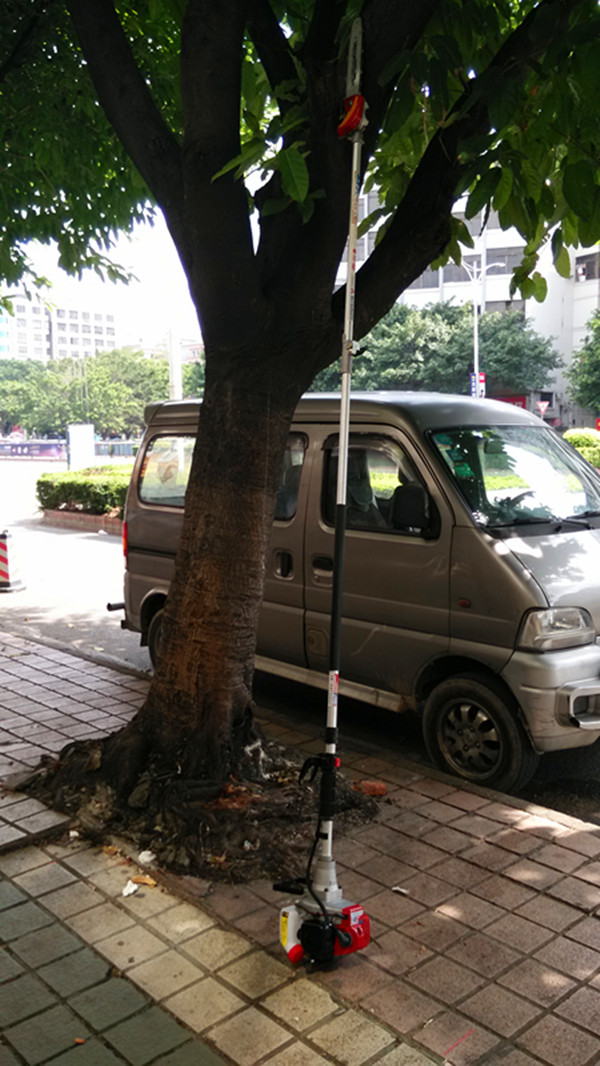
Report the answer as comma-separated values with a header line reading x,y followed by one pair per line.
x,y
130,109
271,46
224,276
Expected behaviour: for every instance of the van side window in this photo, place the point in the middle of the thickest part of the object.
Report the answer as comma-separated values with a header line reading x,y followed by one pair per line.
x,y
289,480
379,474
165,470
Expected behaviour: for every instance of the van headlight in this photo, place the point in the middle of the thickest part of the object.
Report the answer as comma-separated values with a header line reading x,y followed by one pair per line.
x,y
556,627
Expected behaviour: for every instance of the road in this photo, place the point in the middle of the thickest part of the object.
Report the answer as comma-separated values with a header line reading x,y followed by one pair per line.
x,y
71,576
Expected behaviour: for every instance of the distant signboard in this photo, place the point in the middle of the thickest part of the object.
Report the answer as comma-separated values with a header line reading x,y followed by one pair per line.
x,y
33,449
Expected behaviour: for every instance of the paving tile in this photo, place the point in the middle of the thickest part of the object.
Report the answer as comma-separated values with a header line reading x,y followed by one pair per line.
x,y
507,1056
145,1036
427,889
457,1039
46,1034
538,982
582,1008
585,843
216,947
500,1010
471,910
513,839
9,966
74,972
519,933
43,879
404,1055
397,953
386,869
194,1053
21,998
550,912
460,873
248,1036
130,946
557,1042
483,954
352,1038
298,1054
356,979
503,892
256,974
392,908
576,892
93,1053
435,930
445,979
166,974
586,931
300,1004
181,922
22,919
72,899
262,926
559,858
10,895
108,1003
572,958
448,839
533,874
204,1004
45,945
488,856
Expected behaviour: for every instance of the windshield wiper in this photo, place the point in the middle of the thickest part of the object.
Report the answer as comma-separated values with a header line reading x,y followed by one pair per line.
x,y
555,523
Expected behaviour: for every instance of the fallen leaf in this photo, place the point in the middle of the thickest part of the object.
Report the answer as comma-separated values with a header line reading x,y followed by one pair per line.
x,y
370,788
144,879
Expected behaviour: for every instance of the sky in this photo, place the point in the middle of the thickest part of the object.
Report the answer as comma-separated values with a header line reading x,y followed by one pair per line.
x,y
145,309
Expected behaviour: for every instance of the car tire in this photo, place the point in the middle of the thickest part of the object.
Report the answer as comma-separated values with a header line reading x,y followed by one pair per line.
x,y
472,729
154,635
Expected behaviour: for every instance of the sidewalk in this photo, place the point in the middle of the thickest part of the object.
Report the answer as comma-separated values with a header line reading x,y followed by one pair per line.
x,y
490,953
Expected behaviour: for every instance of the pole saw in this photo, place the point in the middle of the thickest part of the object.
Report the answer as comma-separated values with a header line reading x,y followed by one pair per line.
x,y
321,925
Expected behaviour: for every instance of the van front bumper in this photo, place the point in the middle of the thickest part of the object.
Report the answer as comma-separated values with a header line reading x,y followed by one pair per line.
x,y
559,694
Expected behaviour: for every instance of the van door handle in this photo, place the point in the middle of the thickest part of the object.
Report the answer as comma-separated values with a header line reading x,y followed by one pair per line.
x,y
322,562
284,564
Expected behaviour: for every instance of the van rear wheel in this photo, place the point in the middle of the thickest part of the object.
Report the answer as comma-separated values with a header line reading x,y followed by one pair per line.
x,y
154,635
471,728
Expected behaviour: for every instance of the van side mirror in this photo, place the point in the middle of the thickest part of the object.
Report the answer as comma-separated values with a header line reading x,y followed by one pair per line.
x,y
410,507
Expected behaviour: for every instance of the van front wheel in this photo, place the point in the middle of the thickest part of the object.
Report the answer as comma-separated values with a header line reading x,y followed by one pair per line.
x,y
471,729
154,635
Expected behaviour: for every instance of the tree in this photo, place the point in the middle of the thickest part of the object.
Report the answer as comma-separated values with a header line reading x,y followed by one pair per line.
x,y
584,372
494,98
433,349
109,389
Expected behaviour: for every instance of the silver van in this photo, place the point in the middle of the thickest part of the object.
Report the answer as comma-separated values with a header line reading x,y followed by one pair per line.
x,y
472,569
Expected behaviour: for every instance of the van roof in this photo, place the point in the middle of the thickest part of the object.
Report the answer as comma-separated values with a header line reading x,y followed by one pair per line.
x,y
427,410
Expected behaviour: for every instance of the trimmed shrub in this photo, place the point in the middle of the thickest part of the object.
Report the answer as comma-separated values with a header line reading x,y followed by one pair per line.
x,y
587,441
98,490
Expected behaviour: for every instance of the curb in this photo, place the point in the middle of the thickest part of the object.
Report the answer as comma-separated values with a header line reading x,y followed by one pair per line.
x,y
82,522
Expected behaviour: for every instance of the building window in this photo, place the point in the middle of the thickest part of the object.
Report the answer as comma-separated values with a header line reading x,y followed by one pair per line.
x,y
73,314
61,314
586,267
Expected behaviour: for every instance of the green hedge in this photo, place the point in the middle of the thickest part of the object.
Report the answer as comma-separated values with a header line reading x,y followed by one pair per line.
x,y
587,441
98,490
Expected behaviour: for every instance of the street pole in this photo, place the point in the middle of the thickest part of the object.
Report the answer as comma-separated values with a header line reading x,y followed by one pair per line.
x,y
477,275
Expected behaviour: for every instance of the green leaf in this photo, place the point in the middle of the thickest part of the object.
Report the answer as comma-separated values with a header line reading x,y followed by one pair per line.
x,y
483,192
503,189
580,188
294,173
562,263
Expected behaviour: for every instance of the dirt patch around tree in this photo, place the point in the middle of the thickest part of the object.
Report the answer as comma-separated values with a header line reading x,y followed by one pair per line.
x,y
241,831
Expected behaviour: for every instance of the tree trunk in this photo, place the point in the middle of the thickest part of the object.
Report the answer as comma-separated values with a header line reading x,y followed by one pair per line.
x,y
197,719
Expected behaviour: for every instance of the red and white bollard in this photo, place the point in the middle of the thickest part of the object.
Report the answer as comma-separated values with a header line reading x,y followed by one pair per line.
x,y
10,579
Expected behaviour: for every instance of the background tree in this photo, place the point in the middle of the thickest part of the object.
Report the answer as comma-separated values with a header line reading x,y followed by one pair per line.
x,y
584,372
497,99
433,349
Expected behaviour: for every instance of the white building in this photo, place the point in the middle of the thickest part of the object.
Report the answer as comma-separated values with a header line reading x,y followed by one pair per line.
x,y
41,331
563,315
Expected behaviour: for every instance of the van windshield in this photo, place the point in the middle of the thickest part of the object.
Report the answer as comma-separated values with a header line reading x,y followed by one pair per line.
x,y
519,475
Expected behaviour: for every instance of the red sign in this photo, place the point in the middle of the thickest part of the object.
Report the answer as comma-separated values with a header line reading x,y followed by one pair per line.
x,y
517,401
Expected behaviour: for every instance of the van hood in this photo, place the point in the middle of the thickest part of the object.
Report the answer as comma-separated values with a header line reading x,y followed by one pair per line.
x,y
566,566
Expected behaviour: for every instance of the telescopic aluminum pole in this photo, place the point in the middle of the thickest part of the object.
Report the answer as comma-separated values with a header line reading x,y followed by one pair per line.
x,y
324,880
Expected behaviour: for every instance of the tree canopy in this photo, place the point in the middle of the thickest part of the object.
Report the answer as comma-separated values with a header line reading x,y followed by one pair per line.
x,y
433,349
109,389
229,111
584,372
